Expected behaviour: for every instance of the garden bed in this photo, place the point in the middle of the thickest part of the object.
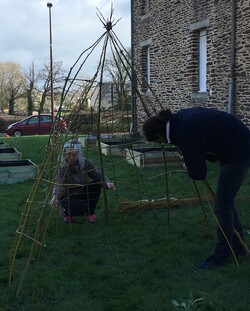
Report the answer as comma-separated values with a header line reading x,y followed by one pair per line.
x,y
153,156
9,153
118,147
90,141
4,145
17,171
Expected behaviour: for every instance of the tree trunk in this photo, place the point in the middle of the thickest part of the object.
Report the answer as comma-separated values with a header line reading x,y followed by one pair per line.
x,y
11,105
42,102
30,103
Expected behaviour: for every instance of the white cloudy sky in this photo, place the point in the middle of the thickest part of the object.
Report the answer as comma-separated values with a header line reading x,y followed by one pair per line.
x,y
24,29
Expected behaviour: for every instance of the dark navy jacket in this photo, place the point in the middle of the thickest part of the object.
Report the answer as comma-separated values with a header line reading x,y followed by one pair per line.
x,y
208,134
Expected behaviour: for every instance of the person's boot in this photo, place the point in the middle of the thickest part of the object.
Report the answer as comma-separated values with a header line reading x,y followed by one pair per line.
x,y
213,262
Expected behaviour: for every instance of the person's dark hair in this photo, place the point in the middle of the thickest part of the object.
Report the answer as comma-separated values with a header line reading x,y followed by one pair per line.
x,y
156,126
165,115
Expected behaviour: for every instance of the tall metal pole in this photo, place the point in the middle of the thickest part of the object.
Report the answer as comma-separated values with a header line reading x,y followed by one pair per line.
x,y
49,5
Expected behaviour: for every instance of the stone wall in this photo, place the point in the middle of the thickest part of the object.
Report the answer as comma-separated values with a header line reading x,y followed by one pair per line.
x,y
169,28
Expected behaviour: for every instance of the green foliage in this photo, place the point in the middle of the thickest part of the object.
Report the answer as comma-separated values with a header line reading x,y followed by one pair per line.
x,y
2,124
84,123
81,122
135,261
6,120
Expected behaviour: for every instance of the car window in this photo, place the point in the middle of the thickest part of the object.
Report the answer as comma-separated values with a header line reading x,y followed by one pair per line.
x,y
24,121
45,119
34,120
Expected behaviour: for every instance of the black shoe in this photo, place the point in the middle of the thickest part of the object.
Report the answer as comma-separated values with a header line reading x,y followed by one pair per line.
x,y
241,252
242,256
212,262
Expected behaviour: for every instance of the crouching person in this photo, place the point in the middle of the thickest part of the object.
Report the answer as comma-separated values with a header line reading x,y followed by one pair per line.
x,y
78,184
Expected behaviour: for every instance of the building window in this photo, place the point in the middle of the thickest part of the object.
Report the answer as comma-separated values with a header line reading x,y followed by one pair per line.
x,y
144,7
202,61
146,68
198,63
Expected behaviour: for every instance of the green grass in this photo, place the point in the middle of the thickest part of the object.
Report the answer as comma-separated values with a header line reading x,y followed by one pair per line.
x,y
134,261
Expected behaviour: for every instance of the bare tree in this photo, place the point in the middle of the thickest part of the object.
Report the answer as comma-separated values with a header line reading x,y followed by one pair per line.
x,y
45,81
12,83
3,97
117,68
31,78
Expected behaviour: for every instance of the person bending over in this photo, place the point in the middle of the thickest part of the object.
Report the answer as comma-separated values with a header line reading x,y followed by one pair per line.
x,y
209,134
78,184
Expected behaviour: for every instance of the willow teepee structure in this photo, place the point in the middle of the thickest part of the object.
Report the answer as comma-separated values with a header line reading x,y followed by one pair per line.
x,y
37,215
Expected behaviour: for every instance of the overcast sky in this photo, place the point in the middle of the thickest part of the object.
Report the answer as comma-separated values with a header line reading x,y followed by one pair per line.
x,y
24,29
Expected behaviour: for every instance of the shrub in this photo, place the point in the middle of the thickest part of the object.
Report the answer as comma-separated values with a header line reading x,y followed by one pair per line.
x,y
85,123
5,121
2,124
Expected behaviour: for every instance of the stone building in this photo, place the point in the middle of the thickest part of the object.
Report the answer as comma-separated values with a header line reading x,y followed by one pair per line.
x,y
189,53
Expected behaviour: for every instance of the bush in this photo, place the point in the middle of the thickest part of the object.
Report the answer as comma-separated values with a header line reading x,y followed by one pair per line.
x,y
2,124
80,122
84,123
6,120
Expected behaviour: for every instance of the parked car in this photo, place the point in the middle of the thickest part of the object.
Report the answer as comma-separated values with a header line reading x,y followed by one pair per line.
x,y
35,125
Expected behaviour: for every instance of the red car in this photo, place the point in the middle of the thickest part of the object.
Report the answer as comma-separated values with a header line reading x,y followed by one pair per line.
x,y
35,125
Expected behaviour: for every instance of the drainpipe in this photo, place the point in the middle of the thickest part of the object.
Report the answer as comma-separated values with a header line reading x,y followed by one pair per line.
x,y
133,125
232,74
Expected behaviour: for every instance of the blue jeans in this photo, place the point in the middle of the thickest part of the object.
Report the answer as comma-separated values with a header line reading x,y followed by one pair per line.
x,y
229,182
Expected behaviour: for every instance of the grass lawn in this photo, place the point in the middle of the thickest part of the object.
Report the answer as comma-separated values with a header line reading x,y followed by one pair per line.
x,y
140,260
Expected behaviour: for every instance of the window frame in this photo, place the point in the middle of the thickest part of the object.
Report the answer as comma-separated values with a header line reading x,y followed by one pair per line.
x,y
199,64
202,66
145,65
145,5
